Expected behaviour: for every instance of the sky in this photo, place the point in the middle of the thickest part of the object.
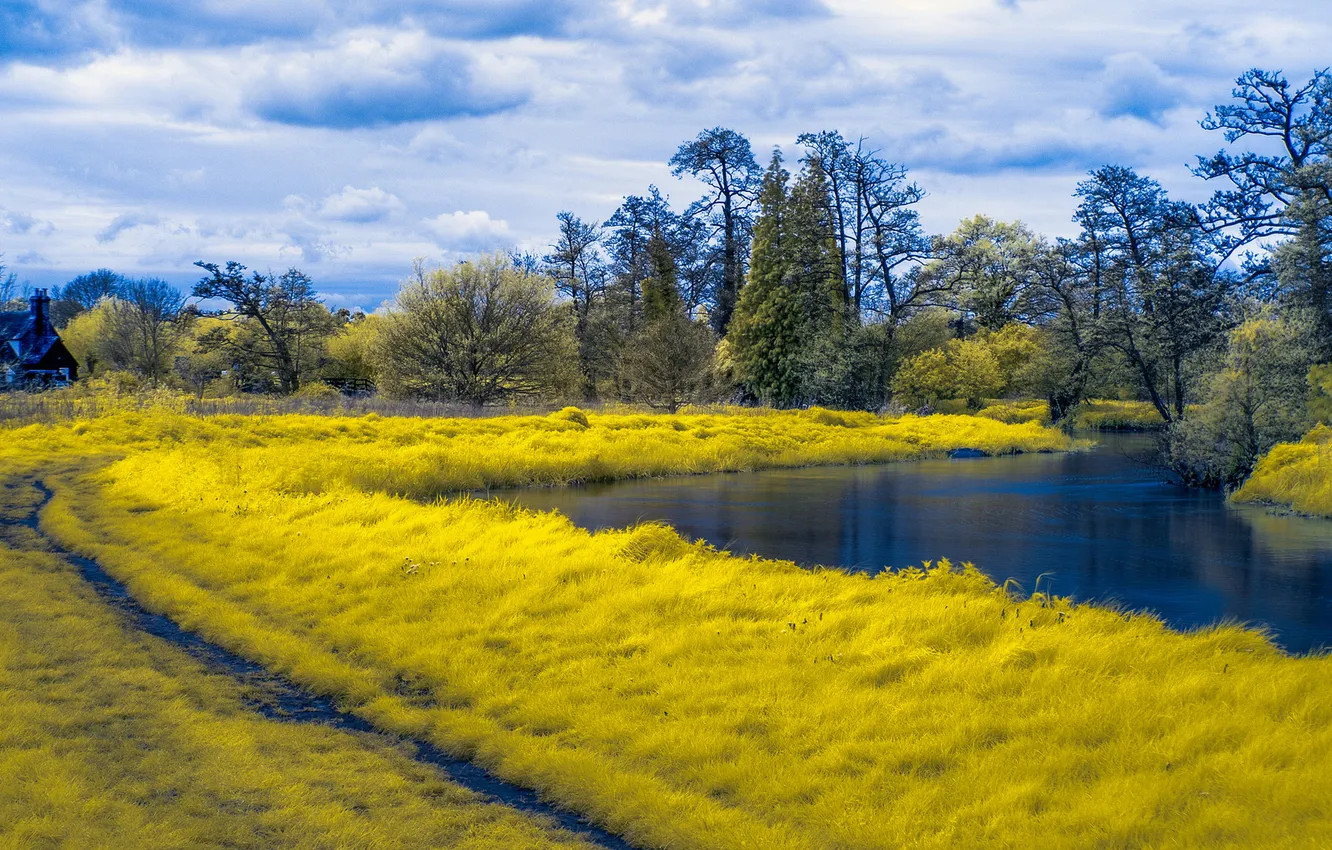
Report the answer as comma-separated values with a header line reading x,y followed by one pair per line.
x,y
348,137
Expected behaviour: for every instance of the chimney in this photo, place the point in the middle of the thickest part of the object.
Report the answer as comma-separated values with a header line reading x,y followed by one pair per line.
x,y
38,303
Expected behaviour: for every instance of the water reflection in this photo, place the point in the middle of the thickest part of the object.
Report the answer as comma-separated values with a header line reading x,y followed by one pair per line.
x,y
1104,523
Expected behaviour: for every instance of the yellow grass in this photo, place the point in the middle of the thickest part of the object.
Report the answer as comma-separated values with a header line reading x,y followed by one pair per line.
x,y
683,697
1295,474
1017,411
1107,415
108,739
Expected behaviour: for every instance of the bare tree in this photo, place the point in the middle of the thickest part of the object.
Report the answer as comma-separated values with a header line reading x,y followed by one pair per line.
x,y
144,324
87,289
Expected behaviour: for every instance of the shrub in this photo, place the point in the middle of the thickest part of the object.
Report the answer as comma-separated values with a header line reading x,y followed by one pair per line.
x,y
571,414
961,369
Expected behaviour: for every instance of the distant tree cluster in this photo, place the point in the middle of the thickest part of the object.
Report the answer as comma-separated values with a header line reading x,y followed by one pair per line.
x,y
821,287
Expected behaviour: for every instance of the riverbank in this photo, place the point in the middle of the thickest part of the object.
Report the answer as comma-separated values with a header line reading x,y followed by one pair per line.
x,y
1294,475
681,696
1093,415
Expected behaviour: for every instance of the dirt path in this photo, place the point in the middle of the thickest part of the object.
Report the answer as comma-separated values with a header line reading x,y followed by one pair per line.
x,y
278,698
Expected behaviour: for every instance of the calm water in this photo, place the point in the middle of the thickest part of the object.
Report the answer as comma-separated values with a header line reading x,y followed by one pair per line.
x,y
1104,524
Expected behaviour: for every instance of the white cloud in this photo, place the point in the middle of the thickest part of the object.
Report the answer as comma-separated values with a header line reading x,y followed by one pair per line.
x,y
1135,86
360,205
468,232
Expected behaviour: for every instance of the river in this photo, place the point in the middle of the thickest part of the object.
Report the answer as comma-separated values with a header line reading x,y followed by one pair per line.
x,y
1104,525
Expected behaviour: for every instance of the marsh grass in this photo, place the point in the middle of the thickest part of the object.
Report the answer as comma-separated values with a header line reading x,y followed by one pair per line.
x,y
112,739
1107,415
682,696
1297,475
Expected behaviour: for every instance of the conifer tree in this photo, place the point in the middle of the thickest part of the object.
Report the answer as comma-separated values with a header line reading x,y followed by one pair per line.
x,y
668,361
765,331
661,290
816,263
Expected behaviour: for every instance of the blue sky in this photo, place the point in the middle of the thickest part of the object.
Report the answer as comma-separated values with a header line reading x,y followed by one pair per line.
x,y
347,138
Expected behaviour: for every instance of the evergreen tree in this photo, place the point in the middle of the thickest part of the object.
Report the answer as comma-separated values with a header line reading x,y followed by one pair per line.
x,y
765,330
811,244
668,360
661,289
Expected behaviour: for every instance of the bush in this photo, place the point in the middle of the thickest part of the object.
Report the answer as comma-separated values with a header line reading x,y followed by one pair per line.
x,y
318,391
571,414
1258,399
960,369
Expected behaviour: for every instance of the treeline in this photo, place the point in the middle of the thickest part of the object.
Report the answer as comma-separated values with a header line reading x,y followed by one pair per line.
x,y
821,287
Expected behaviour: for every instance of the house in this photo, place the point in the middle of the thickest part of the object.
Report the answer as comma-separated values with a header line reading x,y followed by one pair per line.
x,y
31,353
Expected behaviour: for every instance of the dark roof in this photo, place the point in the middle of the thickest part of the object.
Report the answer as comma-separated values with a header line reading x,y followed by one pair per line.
x,y
13,324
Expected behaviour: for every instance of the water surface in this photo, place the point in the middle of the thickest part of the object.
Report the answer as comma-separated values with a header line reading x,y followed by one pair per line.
x,y
1104,525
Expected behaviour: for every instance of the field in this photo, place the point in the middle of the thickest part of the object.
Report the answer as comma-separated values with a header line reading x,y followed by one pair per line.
x,y
678,695
1297,475
111,739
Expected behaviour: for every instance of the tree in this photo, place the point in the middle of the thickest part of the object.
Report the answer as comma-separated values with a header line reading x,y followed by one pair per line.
x,y
813,258
987,266
877,228
351,365
87,289
9,288
1163,286
84,336
668,362
201,369
765,336
280,323
143,327
632,226
723,160
1066,286
959,369
1254,402
478,332
1283,191
661,290
1263,186
576,266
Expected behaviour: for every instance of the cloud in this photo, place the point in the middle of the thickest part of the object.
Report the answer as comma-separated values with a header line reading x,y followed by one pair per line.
x,y
55,30
20,223
468,232
360,206
211,111
733,12
1135,86
126,221
374,79
52,31
310,241
490,19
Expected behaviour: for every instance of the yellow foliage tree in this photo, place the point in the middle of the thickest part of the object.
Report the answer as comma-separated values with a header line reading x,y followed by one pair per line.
x,y
959,369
